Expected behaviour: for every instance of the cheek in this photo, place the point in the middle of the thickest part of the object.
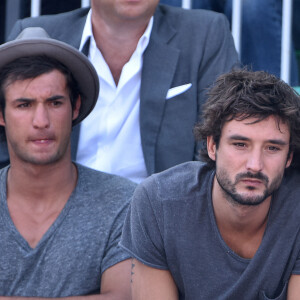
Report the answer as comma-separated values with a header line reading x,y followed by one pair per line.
x,y
16,123
230,162
62,117
229,158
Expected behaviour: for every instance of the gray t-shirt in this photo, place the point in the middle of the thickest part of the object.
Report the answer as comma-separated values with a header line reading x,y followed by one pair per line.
x,y
171,225
79,246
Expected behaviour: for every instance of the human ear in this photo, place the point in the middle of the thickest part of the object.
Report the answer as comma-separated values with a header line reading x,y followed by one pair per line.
x,y
76,108
211,147
2,121
289,160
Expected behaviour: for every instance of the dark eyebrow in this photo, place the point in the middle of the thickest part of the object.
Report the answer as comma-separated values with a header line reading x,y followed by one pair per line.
x,y
53,98
56,97
238,137
243,138
24,100
278,142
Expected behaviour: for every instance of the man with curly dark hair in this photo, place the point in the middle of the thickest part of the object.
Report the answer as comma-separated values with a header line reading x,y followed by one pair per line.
x,y
242,95
227,228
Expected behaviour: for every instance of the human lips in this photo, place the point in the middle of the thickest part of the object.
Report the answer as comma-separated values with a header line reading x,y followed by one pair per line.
x,y
252,182
251,179
41,140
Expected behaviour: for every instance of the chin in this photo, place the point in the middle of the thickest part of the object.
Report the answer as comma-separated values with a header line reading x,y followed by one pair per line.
x,y
249,199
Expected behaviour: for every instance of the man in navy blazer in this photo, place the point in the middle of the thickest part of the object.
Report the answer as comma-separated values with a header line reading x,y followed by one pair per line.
x,y
186,50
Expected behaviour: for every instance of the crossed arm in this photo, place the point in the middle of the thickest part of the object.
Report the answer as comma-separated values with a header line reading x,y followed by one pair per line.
x,y
115,285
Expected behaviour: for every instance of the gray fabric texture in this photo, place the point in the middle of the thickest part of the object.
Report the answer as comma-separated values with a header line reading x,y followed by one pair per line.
x,y
185,46
171,225
79,246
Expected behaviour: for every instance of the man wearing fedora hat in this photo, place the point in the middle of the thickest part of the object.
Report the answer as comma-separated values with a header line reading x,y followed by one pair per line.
x,y
60,222
154,64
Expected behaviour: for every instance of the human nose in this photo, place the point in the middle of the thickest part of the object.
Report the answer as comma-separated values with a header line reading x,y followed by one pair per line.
x,y
255,161
41,117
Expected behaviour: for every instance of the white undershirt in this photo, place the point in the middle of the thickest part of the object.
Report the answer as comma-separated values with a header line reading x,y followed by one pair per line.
x,y
110,138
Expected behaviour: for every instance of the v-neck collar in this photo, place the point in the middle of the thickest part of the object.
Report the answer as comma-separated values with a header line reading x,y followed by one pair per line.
x,y
9,224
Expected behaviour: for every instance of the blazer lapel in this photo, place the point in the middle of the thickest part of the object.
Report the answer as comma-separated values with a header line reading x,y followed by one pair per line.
x,y
159,65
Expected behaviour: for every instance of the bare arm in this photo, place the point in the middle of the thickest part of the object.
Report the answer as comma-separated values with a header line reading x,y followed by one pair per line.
x,y
294,288
115,285
148,283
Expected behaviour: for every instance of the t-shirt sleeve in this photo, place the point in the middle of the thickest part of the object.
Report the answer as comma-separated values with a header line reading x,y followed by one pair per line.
x,y
296,268
142,234
113,252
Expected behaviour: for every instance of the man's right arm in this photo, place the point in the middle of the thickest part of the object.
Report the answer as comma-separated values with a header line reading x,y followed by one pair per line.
x,y
143,239
149,283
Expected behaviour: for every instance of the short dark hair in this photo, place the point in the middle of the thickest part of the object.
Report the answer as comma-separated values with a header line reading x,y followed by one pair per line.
x,y
31,67
243,94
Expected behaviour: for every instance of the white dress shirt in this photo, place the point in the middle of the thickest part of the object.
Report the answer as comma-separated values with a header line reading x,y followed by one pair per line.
x,y
110,139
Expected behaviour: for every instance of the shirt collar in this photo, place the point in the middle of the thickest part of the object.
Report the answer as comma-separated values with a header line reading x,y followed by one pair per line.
x,y
88,33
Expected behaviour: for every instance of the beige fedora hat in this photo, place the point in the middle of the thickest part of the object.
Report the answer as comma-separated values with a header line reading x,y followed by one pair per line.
x,y
34,41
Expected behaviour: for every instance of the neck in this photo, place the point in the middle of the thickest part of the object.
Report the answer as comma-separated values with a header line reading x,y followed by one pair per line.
x,y
117,41
118,29
237,216
41,185
241,226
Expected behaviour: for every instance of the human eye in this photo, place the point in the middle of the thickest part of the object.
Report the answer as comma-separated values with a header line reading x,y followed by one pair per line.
x,y
239,145
56,103
23,105
273,148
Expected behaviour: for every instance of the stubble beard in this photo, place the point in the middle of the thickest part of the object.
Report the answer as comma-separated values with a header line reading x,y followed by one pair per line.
x,y
40,158
246,199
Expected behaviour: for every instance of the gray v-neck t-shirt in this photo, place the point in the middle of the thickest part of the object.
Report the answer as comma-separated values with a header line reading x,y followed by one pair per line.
x,y
78,247
171,226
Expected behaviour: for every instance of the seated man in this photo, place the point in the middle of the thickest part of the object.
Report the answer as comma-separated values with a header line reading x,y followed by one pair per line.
x,y
154,64
60,223
228,228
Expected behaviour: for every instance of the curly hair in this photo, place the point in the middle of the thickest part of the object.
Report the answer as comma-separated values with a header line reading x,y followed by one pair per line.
x,y
243,94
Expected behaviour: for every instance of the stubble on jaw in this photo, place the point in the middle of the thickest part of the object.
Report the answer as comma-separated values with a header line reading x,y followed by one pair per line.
x,y
243,199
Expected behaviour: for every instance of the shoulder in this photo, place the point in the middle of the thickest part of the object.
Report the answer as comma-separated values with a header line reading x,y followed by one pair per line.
x,y
192,30
65,17
290,183
104,184
286,199
200,17
179,182
290,188
56,25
